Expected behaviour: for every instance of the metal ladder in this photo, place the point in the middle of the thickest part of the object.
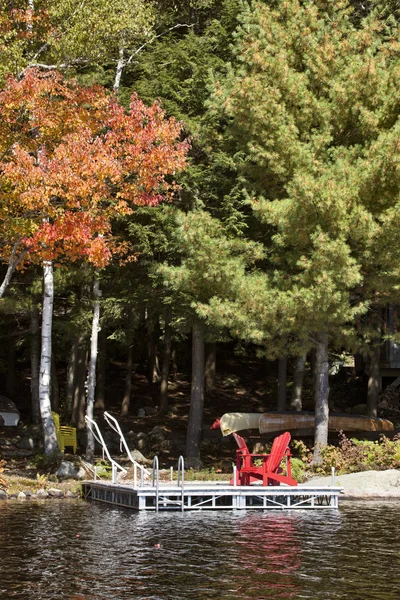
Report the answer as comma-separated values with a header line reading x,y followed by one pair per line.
x,y
162,499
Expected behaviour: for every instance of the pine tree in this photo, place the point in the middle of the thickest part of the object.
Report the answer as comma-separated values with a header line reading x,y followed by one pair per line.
x,y
311,103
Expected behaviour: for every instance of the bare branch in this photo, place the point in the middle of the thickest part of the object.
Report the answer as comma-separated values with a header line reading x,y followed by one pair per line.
x,y
12,265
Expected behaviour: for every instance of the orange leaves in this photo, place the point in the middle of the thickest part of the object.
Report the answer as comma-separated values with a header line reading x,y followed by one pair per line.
x,y
43,107
75,235
147,145
74,160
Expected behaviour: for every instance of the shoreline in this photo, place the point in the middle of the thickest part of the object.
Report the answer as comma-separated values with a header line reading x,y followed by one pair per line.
x,y
363,485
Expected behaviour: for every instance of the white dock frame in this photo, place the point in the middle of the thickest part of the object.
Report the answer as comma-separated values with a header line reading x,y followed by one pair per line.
x,y
211,496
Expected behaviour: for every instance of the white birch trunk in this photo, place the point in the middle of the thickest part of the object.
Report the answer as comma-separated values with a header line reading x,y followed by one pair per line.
x,y
91,387
12,264
120,68
35,364
49,430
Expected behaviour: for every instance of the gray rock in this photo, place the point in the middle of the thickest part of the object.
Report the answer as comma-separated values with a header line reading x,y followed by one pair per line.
x,y
82,474
33,496
3,495
167,445
67,470
54,493
142,440
21,496
156,438
69,494
26,443
28,493
365,484
42,493
138,456
159,430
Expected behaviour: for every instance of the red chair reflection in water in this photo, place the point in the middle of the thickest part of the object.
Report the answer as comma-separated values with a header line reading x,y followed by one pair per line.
x,y
269,471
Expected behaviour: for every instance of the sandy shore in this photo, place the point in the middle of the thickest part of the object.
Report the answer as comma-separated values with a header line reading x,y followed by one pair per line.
x,y
365,485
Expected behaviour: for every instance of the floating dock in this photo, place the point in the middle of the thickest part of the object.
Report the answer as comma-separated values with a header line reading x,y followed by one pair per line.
x,y
211,496
180,495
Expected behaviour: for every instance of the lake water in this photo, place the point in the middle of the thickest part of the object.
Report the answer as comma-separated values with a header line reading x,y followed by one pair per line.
x,y
76,550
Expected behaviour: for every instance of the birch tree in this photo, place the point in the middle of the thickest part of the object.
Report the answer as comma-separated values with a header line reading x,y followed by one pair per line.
x,y
69,154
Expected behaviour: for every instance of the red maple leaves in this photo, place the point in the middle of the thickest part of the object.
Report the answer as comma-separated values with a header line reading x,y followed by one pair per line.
x,y
73,160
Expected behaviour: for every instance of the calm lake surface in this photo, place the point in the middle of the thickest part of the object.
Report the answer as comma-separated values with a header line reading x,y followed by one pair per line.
x,y
76,550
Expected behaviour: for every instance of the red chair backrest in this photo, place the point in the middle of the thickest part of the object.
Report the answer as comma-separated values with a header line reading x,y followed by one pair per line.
x,y
241,443
278,451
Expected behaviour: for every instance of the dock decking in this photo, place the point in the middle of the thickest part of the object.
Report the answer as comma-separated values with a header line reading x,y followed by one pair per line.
x,y
210,496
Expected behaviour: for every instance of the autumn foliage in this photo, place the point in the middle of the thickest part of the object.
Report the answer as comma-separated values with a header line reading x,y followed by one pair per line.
x,y
73,160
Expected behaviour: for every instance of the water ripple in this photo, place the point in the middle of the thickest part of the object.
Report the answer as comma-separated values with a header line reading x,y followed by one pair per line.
x,y
77,550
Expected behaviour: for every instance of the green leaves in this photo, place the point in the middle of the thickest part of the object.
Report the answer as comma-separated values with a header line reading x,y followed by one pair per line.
x,y
310,103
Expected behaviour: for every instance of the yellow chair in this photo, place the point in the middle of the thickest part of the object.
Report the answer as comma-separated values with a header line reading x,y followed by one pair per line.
x,y
66,436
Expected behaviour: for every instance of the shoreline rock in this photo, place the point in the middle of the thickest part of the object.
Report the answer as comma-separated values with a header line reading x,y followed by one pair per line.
x,y
365,485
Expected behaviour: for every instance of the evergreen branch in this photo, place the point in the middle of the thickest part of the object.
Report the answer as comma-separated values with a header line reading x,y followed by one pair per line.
x,y
154,38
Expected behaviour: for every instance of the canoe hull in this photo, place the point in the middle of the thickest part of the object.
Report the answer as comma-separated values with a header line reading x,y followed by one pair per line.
x,y
300,422
273,422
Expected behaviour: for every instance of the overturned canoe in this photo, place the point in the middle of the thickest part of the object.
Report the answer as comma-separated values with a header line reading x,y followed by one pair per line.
x,y
271,422
274,422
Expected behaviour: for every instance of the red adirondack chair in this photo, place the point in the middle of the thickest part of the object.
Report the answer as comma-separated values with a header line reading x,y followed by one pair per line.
x,y
269,472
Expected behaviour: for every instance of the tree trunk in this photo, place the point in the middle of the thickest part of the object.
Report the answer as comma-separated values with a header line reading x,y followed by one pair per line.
x,y
298,378
71,375
210,367
195,422
91,386
49,430
174,365
11,370
154,368
55,391
321,396
373,381
78,409
165,369
119,70
35,363
100,402
126,400
282,374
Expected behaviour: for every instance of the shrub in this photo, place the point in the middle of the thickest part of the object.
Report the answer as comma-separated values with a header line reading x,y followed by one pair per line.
x,y
298,469
359,455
